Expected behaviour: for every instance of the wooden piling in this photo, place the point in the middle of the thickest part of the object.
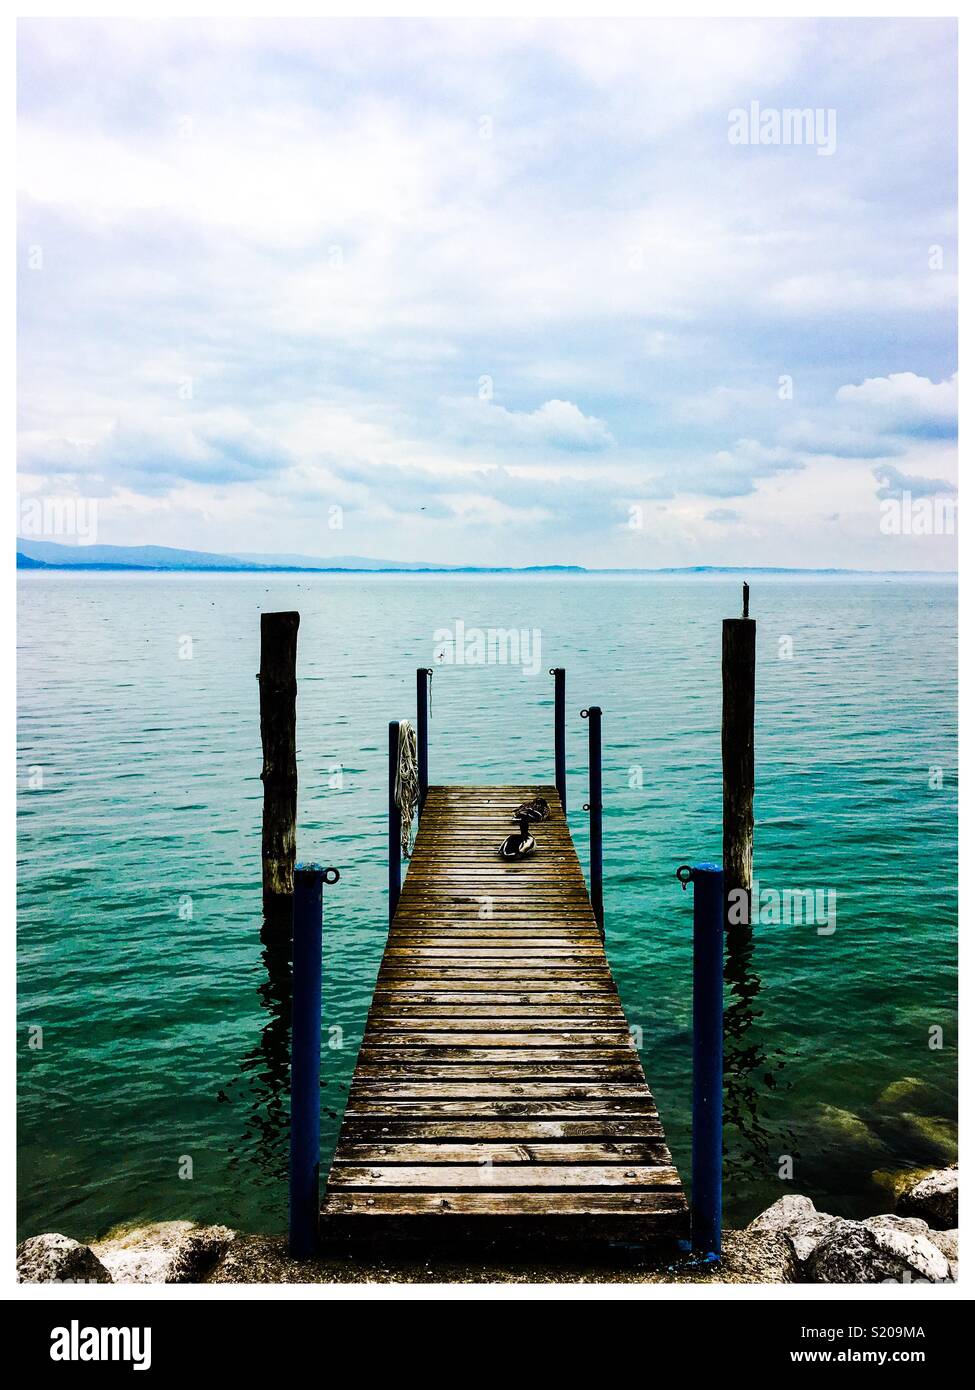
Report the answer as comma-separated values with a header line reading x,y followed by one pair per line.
x,y
278,691
738,760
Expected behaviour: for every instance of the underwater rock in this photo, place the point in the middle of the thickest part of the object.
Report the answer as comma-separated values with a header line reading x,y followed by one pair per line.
x,y
898,1180
934,1198
909,1093
164,1252
938,1134
57,1259
846,1125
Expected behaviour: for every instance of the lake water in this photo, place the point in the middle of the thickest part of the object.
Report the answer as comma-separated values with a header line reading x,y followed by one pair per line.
x,y
164,1018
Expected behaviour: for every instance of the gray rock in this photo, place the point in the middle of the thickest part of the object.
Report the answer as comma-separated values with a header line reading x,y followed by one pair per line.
x,y
785,1212
854,1252
947,1243
913,1225
796,1219
57,1259
934,1199
165,1252
748,1257
757,1257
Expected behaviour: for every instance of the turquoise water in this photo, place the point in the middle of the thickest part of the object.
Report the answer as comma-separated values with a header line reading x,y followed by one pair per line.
x,y
164,1016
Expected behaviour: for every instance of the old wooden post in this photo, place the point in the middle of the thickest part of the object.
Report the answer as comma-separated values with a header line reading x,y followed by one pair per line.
x,y
395,822
279,690
738,761
423,677
559,673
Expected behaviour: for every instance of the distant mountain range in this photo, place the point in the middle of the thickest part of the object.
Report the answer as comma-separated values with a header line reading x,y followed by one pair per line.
x,y
41,555
51,555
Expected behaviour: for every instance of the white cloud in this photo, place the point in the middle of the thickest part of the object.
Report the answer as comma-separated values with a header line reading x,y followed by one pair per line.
x,y
555,425
904,401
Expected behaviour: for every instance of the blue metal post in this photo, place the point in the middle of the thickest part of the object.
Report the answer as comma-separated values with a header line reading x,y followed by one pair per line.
x,y
306,1042
394,820
422,735
708,881
595,808
559,674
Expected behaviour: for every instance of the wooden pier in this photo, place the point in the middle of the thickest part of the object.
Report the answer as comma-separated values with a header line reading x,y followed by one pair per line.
x,y
497,1090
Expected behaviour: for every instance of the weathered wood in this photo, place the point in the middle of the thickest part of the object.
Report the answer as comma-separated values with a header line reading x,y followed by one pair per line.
x,y
738,762
503,1177
497,1080
478,1129
629,1203
278,697
543,1152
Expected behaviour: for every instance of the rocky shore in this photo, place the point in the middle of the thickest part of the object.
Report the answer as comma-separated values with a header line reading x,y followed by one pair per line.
x,y
789,1243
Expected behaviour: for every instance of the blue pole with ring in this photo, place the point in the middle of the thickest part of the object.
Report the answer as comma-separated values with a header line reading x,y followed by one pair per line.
x,y
708,881
306,1045
595,808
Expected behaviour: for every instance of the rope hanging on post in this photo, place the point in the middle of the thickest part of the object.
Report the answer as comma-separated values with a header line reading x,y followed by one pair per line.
x,y
406,792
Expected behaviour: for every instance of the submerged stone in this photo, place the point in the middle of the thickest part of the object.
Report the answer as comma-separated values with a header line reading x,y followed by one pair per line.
x,y
850,1126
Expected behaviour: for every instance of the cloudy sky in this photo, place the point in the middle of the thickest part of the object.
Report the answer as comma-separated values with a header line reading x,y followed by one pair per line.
x,y
492,292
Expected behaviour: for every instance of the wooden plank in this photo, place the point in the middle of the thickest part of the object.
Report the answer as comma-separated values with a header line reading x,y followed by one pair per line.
x,y
391,1037
645,1152
481,1129
629,1203
378,1049
504,1177
500,1071
484,1108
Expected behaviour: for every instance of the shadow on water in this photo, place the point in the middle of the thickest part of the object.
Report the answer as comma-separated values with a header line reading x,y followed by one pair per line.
x,y
752,1073
262,1090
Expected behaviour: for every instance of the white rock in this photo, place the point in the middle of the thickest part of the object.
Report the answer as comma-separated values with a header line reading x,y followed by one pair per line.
x,y
796,1218
166,1252
934,1199
854,1252
947,1243
57,1259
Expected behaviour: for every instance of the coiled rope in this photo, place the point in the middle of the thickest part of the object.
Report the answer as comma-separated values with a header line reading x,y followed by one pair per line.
x,y
406,789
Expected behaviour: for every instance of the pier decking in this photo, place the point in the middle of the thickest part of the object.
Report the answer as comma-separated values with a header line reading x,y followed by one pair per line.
x,y
497,1077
